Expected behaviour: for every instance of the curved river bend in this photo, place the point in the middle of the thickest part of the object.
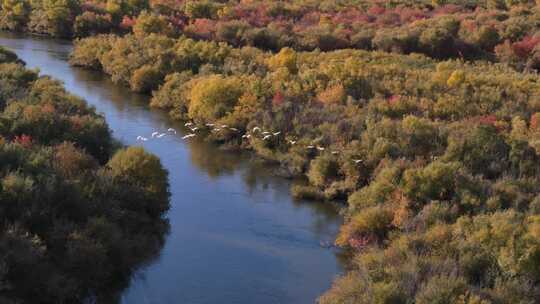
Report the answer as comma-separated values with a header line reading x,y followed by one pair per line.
x,y
236,235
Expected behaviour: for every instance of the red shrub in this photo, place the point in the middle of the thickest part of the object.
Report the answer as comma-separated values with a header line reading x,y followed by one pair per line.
x,y
487,120
278,99
23,140
361,242
376,10
127,23
524,48
534,121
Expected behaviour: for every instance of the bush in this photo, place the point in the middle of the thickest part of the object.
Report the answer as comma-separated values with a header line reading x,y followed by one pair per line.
x,y
442,290
323,170
148,23
373,222
214,97
140,168
307,192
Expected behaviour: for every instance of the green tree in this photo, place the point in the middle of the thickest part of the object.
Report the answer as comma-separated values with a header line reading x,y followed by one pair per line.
x,y
135,165
214,97
148,23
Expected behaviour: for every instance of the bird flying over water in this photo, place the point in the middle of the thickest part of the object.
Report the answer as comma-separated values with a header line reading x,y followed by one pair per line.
x,y
154,134
161,135
171,130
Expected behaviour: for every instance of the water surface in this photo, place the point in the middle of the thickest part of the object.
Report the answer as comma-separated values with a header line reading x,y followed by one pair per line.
x,y
236,234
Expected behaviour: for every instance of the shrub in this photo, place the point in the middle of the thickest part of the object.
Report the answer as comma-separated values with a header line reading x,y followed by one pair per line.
x,y
307,192
140,168
373,221
148,23
214,97
322,170
442,290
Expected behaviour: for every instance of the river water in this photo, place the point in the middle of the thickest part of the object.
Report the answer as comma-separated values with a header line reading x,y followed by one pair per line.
x,y
236,234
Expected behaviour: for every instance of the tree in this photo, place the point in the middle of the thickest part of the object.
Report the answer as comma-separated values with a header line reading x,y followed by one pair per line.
x,y
323,170
14,14
214,97
286,58
148,23
90,23
135,165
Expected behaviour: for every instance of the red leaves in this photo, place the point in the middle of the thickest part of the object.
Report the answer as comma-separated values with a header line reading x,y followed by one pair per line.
x,y
278,99
525,47
534,121
23,140
376,10
393,99
361,242
127,23
203,28
487,120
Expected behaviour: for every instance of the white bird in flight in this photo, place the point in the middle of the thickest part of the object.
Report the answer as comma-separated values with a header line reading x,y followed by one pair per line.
x,y
246,136
142,138
161,135
187,124
188,136
320,148
357,161
267,137
154,134
210,125
277,133
171,130
256,129
292,142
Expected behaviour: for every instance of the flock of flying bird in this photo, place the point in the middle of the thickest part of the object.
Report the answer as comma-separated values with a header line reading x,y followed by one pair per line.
x,y
266,135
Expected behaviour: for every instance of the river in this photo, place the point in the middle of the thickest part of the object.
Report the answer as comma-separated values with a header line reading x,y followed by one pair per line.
x,y
236,235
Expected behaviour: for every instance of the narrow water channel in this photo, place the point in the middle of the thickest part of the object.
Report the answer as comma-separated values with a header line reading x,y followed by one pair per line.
x,y
236,234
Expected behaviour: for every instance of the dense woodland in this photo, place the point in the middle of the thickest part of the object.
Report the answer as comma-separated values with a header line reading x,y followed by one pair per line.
x,y
496,30
77,213
424,116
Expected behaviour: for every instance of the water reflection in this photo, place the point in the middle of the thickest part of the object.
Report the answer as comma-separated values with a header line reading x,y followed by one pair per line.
x,y
236,235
